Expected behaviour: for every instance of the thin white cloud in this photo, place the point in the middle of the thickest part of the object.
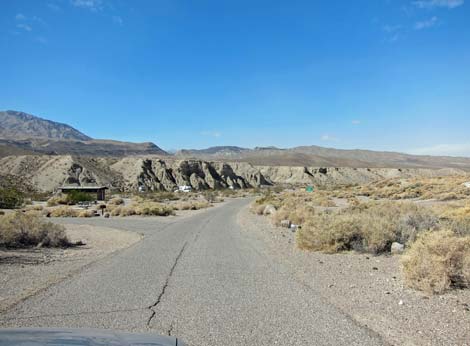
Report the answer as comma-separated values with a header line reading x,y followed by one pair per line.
x,y
392,32
53,6
39,20
430,4
20,16
25,27
356,122
93,5
215,134
462,149
118,20
426,24
328,138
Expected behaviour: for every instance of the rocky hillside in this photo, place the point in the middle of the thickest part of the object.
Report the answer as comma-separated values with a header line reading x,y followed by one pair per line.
x,y
47,173
19,125
26,133
315,156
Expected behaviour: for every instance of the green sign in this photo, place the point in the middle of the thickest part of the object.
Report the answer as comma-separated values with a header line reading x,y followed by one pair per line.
x,y
309,189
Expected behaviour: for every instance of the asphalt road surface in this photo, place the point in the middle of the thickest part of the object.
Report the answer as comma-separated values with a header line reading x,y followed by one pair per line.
x,y
201,278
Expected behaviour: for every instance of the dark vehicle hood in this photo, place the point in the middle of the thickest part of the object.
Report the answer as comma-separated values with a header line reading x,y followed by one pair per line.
x,y
81,337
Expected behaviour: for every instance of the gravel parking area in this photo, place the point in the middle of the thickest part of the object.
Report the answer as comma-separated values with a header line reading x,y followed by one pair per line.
x,y
26,272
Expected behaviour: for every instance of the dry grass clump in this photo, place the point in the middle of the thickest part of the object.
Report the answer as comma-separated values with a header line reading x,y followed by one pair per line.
x,y
192,205
122,211
64,211
56,200
298,214
87,213
116,201
297,203
455,217
370,227
36,207
437,262
28,229
145,208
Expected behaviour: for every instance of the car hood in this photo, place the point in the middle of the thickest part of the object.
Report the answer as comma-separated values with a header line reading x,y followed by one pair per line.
x,y
79,337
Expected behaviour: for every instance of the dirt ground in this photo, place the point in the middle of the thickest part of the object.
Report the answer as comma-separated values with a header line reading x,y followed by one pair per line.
x,y
26,272
370,289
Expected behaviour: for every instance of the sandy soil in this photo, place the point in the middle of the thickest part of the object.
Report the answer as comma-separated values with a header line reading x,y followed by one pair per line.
x,y
370,289
26,272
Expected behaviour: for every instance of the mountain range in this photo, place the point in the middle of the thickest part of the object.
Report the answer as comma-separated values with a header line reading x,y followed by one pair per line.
x,y
22,133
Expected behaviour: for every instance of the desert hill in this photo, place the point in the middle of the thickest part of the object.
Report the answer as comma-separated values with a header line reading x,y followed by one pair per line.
x,y
325,157
48,172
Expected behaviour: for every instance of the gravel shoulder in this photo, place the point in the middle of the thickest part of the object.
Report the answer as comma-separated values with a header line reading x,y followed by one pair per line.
x,y
369,289
25,272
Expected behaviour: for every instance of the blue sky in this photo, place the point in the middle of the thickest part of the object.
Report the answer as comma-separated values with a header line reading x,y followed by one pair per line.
x,y
377,74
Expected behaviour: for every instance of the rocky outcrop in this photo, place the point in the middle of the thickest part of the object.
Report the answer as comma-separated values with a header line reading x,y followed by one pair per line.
x,y
47,173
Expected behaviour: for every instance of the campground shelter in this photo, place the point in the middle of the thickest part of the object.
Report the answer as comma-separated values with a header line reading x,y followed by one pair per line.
x,y
98,190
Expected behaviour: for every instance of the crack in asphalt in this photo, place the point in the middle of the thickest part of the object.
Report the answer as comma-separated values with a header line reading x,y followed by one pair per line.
x,y
170,330
165,285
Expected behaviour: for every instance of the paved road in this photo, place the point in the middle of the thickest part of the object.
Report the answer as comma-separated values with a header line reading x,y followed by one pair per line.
x,y
201,278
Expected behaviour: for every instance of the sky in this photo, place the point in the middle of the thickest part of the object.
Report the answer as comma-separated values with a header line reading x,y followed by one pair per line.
x,y
379,74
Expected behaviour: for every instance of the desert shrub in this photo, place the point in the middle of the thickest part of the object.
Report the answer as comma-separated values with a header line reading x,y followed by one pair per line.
x,y
161,196
448,197
36,207
116,201
86,213
228,192
28,229
147,208
64,211
269,198
257,209
11,198
56,200
210,196
153,209
438,261
370,227
192,205
460,226
296,214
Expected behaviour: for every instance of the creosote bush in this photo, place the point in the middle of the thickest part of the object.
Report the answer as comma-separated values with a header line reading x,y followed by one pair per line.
x,y
64,211
28,229
116,201
370,227
146,208
11,198
438,261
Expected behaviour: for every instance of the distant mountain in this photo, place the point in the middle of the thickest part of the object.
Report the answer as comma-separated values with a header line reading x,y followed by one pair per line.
x,y
217,151
315,156
19,125
22,133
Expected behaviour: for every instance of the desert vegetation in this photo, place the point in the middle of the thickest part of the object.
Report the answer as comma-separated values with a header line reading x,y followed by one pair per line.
x,y
435,235
443,188
438,261
19,230
368,227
